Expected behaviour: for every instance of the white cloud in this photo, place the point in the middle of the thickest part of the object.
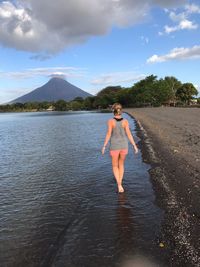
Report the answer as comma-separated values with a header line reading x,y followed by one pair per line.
x,y
169,29
192,8
177,17
63,72
177,54
58,74
183,25
186,24
50,26
182,19
117,78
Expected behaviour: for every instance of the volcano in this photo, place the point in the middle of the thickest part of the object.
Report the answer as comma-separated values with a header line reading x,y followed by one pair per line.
x,y
55,89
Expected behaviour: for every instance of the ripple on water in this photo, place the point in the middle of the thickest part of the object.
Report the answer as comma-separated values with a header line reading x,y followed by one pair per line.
x,y
59,201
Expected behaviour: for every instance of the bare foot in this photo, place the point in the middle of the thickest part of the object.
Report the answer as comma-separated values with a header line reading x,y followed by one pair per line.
x,y
120,189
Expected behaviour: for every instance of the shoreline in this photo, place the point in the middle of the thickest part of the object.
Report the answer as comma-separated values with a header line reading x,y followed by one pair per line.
x,y
174,181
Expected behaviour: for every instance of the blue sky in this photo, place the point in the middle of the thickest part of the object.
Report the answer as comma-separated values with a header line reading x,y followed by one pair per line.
x,y
96,43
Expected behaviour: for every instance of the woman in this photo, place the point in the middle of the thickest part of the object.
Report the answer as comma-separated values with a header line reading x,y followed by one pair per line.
x,y
118,130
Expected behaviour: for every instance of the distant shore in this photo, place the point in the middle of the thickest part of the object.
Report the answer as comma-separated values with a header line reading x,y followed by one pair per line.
x,y
170,142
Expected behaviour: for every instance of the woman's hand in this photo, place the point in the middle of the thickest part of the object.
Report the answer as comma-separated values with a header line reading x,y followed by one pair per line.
x,y
136,149
103,149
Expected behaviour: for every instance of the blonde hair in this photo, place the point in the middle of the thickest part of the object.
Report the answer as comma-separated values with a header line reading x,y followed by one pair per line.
x,y
117,108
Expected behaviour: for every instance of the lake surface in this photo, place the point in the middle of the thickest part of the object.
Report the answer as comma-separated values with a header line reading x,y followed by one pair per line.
x,y
58,196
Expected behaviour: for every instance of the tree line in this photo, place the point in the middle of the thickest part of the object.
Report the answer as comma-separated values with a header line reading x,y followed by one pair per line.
x,y
147,92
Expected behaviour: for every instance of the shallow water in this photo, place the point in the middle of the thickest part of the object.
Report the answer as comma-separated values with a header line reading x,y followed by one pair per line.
x,y
59,201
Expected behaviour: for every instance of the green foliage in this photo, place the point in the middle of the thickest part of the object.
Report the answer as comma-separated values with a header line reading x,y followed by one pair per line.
x,y
147,92
79,99
60,105
123,97
43,105
186,92
88,102
162,92
106,97
31,105
110,90
75,105
141,92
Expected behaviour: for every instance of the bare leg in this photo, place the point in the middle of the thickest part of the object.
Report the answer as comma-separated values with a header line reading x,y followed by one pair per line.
x,y
115,167
122,158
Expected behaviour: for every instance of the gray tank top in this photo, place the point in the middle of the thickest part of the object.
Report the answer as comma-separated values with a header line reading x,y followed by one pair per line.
x,y
118,139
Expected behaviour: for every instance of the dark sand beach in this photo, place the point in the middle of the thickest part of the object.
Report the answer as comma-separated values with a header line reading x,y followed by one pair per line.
x,y
170,142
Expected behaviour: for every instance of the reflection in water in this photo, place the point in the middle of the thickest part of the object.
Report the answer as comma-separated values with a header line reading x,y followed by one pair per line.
x,y
125,223
130,254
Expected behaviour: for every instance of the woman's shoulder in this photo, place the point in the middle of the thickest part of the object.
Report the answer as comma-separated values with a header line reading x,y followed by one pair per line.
x,y
110,121
125,120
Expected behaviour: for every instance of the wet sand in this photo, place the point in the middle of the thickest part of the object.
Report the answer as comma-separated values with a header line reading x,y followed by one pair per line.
x,y
170,142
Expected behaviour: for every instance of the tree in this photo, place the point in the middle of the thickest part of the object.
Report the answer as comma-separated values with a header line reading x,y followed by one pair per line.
x,y
60,105
109,90
75,105
186,92
106,97
18,106
173,83
88,102
141,92
44,105
79,99
162,92
123,97
102,102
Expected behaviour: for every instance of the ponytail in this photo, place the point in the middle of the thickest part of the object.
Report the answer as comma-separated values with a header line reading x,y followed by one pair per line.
x,y
117,108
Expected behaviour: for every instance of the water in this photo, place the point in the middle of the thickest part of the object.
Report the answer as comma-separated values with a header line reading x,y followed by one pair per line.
x,y
59,201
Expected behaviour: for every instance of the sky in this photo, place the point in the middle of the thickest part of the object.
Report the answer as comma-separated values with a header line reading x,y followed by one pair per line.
x,y
96,43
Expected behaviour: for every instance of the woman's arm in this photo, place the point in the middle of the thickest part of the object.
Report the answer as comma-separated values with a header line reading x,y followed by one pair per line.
x,y
129,134
108,135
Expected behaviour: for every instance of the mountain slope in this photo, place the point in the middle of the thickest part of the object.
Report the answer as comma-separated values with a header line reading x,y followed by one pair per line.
x,y
53,90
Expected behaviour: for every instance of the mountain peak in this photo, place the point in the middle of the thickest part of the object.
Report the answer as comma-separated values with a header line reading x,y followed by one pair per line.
x,y
57,79
55,89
